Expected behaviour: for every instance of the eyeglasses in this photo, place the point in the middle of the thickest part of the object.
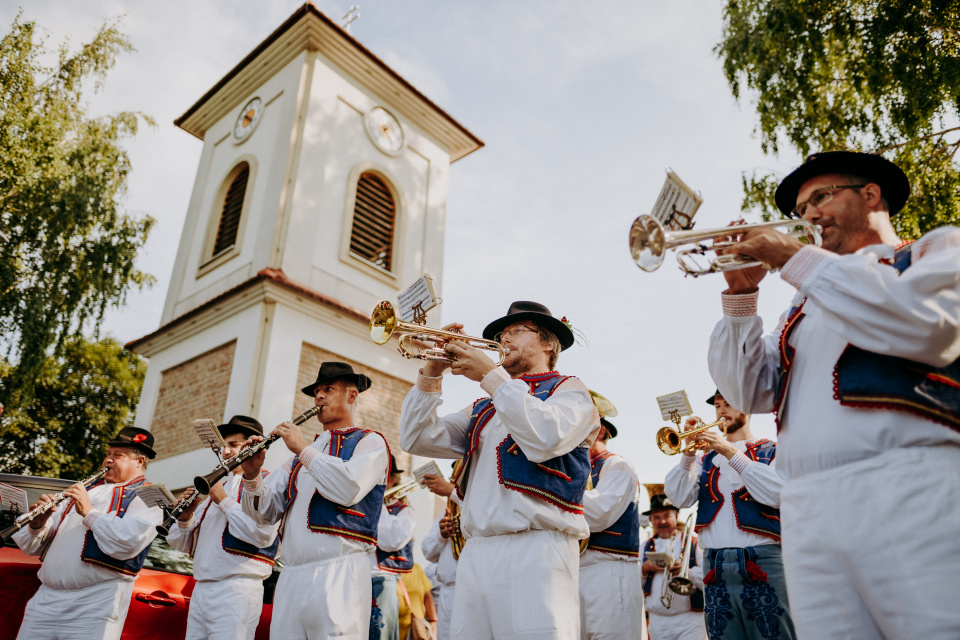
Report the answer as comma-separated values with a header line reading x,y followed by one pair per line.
x,y
513,333
821,197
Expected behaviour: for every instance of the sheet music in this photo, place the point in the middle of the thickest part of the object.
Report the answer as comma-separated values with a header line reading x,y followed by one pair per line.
x,y
13,498
418,298
674,402
155,495
676,204
208,433
429,468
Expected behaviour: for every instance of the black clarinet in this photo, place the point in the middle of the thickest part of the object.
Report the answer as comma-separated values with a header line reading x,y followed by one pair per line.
x,y
175,512
203,483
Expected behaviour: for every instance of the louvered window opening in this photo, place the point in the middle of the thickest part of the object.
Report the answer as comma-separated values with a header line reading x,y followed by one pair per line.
x,y
232,207
374,218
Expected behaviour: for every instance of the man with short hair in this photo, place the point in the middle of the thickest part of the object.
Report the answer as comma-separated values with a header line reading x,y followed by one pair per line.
x,y
680,617
232,554
525,451
92,547
860,372
330,495
611,600
738,489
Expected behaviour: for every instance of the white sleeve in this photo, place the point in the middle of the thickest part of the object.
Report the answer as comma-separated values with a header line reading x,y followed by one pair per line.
x,y
260,535
615,490
32,541
761,480
123,538
394,532
423,432
682,484
347,482
181,536
433,543
264,499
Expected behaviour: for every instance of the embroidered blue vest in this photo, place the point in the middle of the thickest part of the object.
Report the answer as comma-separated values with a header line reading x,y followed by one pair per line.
x,y
396,561
751,516
122,497
623,536
876,381
561,481
357,522
696,599
236,546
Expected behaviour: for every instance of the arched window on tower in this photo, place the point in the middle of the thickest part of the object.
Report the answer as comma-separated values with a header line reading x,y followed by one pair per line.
x,y
374,221
232,208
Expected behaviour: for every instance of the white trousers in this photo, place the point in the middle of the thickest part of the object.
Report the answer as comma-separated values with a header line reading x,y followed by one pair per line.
x,y
611,601
319,600
521,585
689,625
225,610
445,612
871,548
77,614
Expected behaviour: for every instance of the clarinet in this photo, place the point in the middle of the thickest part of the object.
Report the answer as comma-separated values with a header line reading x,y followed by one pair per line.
x,y
32,515
203,483
175,512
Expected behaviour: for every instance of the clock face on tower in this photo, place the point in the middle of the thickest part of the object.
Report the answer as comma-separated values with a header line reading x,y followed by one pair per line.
x,y
247,120
385,131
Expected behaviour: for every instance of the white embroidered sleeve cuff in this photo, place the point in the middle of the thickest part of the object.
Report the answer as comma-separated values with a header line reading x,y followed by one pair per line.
x,y
492,381
253,485
226,504
90,518
803,264
688,463
743,305
307,455
185,524
739,462
428,384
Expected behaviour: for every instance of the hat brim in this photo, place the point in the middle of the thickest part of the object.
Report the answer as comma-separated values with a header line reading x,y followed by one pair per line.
x,y
361,381
611,430
225,429
150,453
893,182
551,324
663,508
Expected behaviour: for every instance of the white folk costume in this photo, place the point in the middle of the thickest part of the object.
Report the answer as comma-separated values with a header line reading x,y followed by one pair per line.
x,y
330,498
232,556
89,564
611,599
525,471
683,619
392,557
868,420
438,550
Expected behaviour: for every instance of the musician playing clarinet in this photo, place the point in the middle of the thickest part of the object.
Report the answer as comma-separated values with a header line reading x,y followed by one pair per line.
x,y
525,449
330,494
232,554
92,546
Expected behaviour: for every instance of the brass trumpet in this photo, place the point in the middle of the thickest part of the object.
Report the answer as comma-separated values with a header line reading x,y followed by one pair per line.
x,y
669,440
401,490
649,241
384,323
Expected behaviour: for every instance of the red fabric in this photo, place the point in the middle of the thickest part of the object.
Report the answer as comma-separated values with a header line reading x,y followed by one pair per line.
x,y
754,572
710,578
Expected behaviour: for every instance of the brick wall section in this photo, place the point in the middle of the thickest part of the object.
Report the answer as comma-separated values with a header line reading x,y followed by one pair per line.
x,y
194,389
379,406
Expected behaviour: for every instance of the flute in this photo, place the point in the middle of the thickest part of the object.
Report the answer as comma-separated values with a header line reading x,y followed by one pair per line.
x,y
203,483
38,511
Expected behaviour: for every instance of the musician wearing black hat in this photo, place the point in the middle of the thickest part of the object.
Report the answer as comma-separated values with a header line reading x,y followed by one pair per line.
x,y
525,451
232,554
330,495
861,372
92,546
611,601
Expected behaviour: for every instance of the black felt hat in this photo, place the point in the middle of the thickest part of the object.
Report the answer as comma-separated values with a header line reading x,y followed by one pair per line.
x,y
332,371
611,430
241,424
892,180
137,438
393,465
524,310
660,502
712,399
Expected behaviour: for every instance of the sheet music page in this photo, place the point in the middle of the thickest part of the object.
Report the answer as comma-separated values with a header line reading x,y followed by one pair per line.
x,y
420,296
13,498
155,494
676,204
674,402
429,468
208,433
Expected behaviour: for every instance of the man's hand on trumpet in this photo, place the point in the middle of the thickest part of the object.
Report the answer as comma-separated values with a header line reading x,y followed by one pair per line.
x,y
708,440
435,368
471,362
769,246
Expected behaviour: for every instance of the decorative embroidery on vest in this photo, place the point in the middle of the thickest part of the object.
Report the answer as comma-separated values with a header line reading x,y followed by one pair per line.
x,y
786,358
120,499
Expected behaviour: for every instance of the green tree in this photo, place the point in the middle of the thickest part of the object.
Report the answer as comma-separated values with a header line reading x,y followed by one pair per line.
x,y
82,398
869,75
71,248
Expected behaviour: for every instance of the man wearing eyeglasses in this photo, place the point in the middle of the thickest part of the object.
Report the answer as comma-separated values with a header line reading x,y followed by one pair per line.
x,y
525,451
862,373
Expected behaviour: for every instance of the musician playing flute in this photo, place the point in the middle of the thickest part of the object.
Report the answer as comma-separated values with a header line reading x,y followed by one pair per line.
x,y
738,489
525,449
330,494
92,547
611,598
232,554
862,372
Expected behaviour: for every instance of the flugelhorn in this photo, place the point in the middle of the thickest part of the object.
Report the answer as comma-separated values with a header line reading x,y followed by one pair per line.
x,y
649,241
384,323
669,439
203,483
56,499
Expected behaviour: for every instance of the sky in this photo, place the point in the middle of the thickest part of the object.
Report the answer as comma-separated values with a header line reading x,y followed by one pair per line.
x,y
582,107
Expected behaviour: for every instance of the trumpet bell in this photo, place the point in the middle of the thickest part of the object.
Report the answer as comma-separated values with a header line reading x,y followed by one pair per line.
x,y
648,242
682,586
669,440
383,322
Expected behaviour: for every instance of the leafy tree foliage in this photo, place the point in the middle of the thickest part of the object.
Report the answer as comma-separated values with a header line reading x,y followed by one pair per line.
x,y
71,248
81,400
869,75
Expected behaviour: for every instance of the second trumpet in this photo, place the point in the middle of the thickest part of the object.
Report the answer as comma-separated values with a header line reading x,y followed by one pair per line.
x,y
669,440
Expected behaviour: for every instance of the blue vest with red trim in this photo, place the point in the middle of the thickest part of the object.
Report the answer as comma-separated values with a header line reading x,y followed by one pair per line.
x,y
396,561
236,546
561,481
623,536
358,521
696,598
751,516
122,497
